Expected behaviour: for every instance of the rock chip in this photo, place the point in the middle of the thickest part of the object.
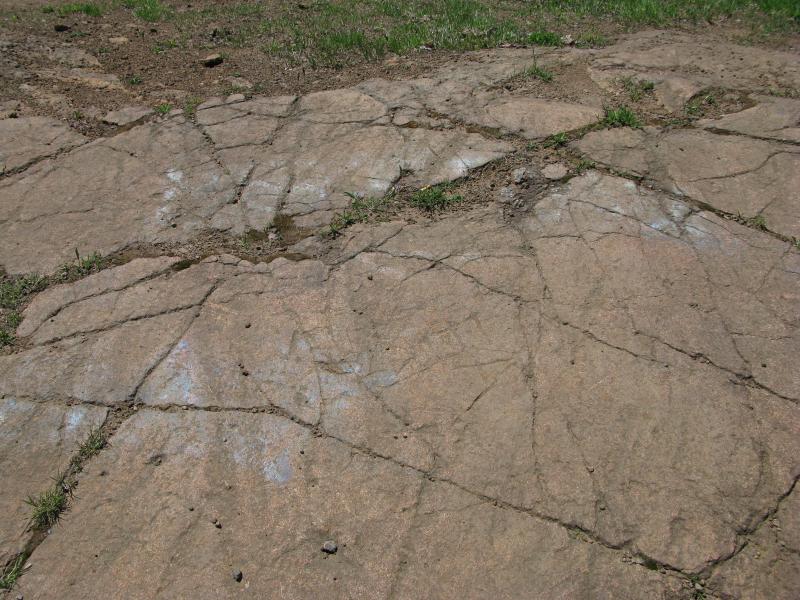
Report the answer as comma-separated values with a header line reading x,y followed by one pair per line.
x,y
212,60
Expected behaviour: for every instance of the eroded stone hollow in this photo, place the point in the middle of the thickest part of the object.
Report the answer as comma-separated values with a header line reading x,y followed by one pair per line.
x,y
591,392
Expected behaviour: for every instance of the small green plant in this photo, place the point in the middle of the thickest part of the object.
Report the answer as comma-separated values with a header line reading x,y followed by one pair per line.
x,y
592,40
13,319
433,198
48,9
544,38
696,106
584,165
93,443
796,242
87,8
758,221
81,267
537,72
147,10
163,109
621,117
134,80
190,107
556,140
360,210
11,573
47,506
163,46
636,88
14,291
6,337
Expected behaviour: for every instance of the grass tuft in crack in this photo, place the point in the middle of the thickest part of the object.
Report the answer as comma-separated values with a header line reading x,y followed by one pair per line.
x,y
636,88
537,72
433,198
360,210
557,140
94,442
621,117
12,572
46,508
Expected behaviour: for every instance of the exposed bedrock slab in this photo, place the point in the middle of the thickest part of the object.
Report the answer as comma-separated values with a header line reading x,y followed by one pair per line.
x,y
769,566
37,441
614,360
735,174
149,503
775,118
461,547
156,182
682,64
24,140
107,330
332,144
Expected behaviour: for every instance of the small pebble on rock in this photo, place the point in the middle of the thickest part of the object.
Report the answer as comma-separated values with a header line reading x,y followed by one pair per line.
x,y
237,575
329,547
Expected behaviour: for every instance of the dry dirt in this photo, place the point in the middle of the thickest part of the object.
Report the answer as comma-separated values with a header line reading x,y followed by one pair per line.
x,y
579,380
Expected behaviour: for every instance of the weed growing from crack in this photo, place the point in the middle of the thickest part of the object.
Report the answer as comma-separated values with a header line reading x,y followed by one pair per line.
x,y
13,292
758,222
94,442
191,105
11,573
535,71
163,109
584,165
557,140
48,506
697,105
433,198
81,267
360,210
636,88
621,117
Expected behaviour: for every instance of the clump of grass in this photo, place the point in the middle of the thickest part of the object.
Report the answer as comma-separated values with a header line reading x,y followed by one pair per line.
x,y
757,222
433,198
621,117
14,291
556,140
134,80
190,107
584,165
544,38
148,10
46,508
592,40
163,46
7,337
163,109
697,106
360,210
11,573
636,88
537,72
82,266
87,8
94,442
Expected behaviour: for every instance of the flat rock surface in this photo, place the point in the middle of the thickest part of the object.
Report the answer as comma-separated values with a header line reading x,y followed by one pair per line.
x,y
37,442
27,139
579,381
